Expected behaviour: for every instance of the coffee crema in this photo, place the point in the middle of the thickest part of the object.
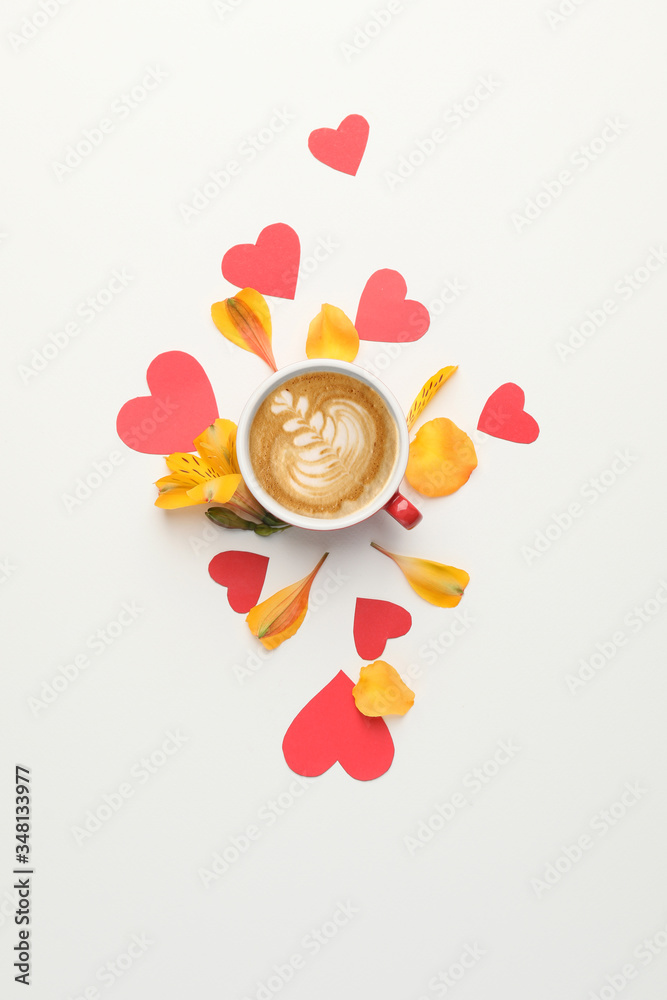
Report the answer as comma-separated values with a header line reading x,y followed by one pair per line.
x,y
323,444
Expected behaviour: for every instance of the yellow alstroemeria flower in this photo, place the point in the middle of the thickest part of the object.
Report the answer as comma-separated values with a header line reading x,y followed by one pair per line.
x,y
213,477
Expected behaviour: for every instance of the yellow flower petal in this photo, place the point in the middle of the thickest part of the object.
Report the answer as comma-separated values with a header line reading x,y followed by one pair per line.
x,y
441,458
217,446
218,490
428,391
380,691
332,335
437,584
246,321
173,493
281,615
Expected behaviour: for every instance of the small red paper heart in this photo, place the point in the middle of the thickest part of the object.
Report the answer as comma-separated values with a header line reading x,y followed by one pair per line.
x,y
375,622
504,417
270,266
243,574
341,148
180,407
331,728
385,314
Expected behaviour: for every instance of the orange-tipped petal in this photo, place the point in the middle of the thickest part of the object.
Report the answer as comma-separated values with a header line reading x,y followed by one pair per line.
x,y
441,458
427,392
332,335
380,691
245,320
280,616
437,584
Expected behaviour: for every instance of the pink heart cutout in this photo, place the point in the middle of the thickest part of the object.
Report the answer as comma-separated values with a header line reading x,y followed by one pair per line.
x,y
331,728
341,148
385,314
243,574
504,417
270,266
181,405
375,622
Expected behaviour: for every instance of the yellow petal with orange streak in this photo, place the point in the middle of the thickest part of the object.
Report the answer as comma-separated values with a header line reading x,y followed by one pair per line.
x,y
441,459
173,493
280,616
436,583
427,392
217,446
246,321
381,691
332,335
218,490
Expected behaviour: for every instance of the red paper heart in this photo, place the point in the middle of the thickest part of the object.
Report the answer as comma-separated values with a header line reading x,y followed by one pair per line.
x,y
504,417
180,407
385,314
271,265
331,728
243,574
341,148
375,622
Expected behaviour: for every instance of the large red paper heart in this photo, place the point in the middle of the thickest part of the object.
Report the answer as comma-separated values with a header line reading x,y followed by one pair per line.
x,y
504,417
331,728
385,314
375,622
180,407
341,148
271,265
243,574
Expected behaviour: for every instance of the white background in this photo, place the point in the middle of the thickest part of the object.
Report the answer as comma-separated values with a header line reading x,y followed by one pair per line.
x,y
67,573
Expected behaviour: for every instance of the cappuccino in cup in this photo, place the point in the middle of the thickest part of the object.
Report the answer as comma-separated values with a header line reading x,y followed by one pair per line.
x,y
323,444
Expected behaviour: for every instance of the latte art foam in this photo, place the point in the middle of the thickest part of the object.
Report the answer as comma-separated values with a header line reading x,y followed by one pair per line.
x,y
323,444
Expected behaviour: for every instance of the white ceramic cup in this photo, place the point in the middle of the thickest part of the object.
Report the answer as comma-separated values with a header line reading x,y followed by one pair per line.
x,y
388,498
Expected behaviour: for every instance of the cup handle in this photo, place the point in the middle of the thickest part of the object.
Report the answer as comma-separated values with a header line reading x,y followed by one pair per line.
x,y
403,511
